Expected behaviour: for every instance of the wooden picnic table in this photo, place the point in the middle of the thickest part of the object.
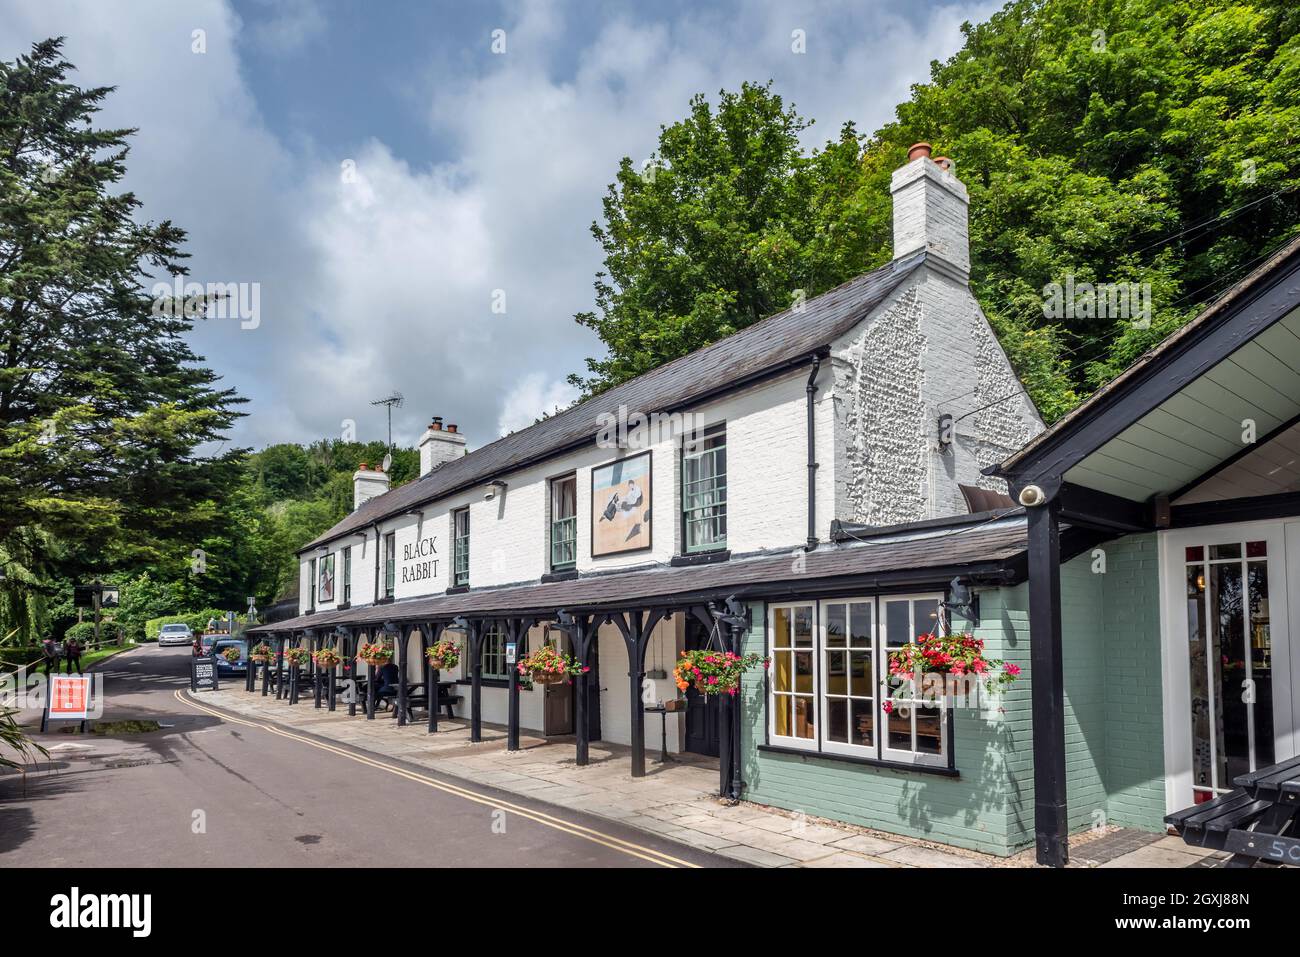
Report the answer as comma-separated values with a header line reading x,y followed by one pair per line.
x,y
1258,821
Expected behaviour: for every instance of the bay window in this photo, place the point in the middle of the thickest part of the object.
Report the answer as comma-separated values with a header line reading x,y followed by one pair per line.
x,y
827,684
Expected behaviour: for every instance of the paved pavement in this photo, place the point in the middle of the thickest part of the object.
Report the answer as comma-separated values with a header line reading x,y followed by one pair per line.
x,y
207,791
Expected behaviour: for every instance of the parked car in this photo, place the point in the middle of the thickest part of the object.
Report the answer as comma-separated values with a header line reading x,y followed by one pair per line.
x,y
227,667
176,633
206,640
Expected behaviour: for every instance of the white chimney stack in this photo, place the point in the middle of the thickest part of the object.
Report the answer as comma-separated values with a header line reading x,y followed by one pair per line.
x,y
439,445
930,205
367,483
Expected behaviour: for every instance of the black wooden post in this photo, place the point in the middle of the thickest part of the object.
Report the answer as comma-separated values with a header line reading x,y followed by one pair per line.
x,y
732,742
476,685
315,677
331,675
516,631
429,636
636,628
279,670
266,677
1047,685
370,691
293,682
351,661
583,635
250,667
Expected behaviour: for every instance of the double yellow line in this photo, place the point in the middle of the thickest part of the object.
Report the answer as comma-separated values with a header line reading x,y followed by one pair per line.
x,y
577,830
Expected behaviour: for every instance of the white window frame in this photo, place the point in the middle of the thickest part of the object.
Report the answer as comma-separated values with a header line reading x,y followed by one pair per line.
x,y
887,753
825,697
819,743
790,741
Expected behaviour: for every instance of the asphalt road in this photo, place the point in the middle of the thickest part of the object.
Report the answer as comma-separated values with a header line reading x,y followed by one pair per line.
x,y
212,791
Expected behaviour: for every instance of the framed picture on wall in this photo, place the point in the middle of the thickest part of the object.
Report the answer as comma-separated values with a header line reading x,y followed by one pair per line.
x,y
620,506
326,589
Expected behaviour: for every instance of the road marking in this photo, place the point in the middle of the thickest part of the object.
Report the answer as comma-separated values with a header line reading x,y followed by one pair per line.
x,y
577,830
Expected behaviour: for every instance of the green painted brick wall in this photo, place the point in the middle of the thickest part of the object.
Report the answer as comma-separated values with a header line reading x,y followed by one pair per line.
x,y
1114,744
975,810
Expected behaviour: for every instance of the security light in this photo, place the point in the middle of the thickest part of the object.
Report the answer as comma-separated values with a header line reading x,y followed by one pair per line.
x,y
496,485
1032,495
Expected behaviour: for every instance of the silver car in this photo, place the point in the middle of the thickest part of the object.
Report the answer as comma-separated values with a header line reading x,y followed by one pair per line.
x,y
177,633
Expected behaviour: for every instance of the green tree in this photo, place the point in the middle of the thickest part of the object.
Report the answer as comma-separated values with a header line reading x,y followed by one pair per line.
x,y
1112,141
102,402
728,223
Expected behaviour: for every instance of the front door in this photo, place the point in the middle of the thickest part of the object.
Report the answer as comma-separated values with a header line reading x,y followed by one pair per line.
x,y
702,711
1229,672
557,700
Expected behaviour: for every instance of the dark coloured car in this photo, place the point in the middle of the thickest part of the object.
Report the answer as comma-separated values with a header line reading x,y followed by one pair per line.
x,y
225,667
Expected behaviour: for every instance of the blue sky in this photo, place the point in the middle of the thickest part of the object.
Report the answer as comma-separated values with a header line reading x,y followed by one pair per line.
x,y
381,173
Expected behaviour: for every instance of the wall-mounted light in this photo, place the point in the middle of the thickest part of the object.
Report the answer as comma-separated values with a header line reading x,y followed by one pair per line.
x,y
963,600
1032,495
495,486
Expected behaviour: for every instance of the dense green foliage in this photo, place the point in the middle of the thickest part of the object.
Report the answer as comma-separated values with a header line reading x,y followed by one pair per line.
x,y
1112,140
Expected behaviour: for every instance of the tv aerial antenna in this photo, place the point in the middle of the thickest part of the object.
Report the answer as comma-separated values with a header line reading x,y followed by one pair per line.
x,y
392,401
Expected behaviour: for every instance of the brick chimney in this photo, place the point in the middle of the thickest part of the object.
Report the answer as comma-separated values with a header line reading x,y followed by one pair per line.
x,y
367,483
439,445
930,205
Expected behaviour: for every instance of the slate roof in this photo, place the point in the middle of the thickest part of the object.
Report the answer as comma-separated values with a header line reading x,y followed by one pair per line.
x,y
783,339
932,556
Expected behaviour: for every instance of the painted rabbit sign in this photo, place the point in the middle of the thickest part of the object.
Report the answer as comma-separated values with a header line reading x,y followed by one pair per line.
x,y
620,506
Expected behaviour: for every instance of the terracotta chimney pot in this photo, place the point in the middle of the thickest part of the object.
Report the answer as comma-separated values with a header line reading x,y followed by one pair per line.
x,y
917,150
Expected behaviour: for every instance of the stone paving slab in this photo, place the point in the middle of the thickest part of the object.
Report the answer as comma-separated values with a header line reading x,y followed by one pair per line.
x,y
676,800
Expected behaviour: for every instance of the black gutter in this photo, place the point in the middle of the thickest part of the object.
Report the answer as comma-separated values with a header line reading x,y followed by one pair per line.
x,y
842,531
811,390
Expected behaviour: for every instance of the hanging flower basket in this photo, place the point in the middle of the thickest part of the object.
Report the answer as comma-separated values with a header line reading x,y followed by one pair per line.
x,y
326,658
262,653
443,655
956,666
547,666
376,653
232,654
713,672
296,657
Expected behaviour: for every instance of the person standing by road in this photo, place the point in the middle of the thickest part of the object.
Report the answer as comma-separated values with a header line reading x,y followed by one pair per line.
x,y
51,652
72,648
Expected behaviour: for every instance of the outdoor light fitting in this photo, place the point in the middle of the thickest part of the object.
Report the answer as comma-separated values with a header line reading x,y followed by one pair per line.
x,y
1032,495
493,487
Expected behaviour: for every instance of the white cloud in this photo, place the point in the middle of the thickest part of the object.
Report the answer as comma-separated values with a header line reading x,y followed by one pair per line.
x,y
532,396
387,282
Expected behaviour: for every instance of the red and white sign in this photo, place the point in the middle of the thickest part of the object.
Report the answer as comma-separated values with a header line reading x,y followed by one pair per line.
x,y
70,697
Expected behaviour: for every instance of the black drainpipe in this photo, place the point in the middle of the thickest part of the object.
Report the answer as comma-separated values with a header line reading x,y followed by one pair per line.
x,y
375,526
811,390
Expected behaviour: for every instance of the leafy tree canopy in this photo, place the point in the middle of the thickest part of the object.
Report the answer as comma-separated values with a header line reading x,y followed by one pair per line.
x,y
1139,141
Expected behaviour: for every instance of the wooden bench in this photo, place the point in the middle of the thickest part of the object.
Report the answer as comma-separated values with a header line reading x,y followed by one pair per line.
x,y
1208,824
